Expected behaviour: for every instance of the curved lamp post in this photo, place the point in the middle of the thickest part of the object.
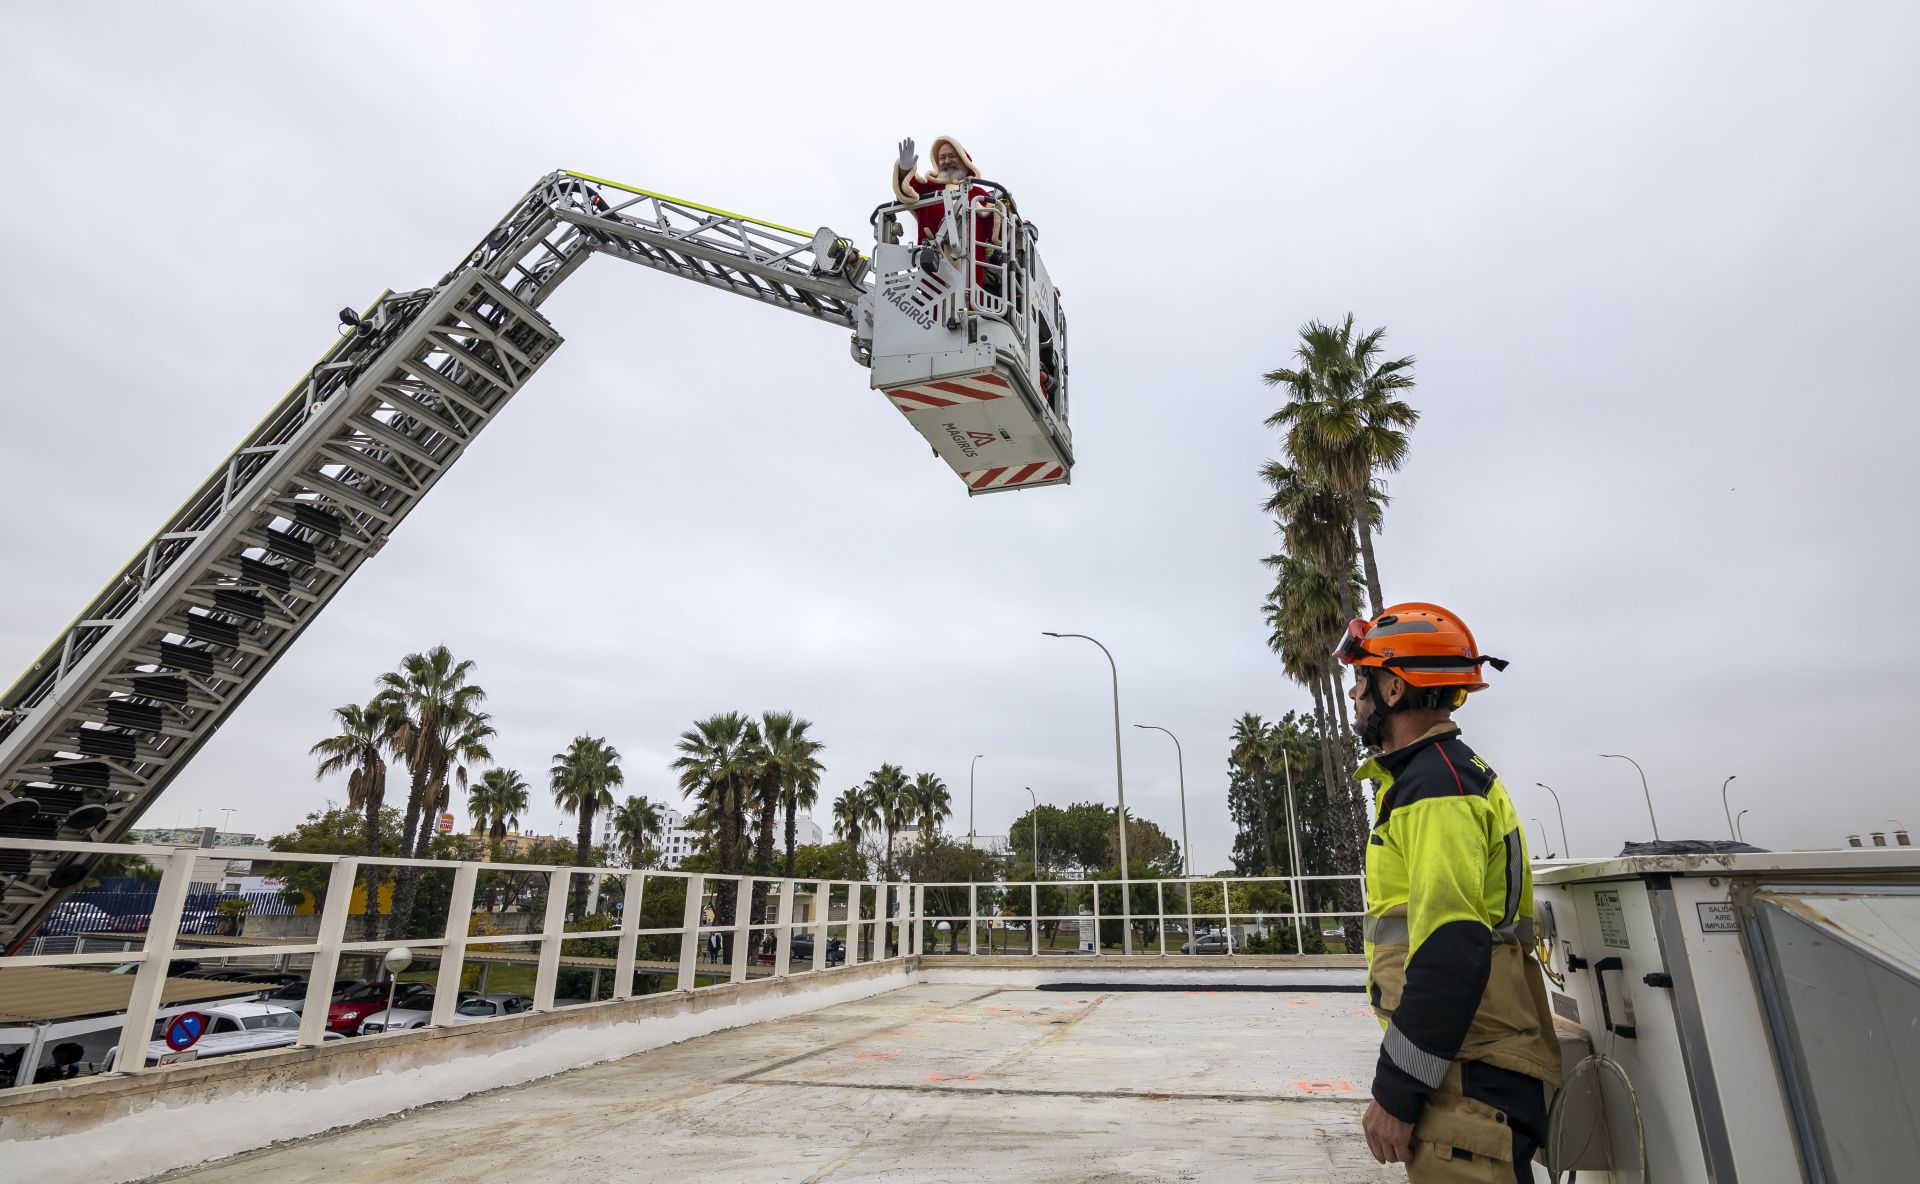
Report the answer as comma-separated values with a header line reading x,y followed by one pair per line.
x,y
1186,847
1120,787
1543,833
1643,788
1565,847
970,765
1723,806
1036,830
1739,832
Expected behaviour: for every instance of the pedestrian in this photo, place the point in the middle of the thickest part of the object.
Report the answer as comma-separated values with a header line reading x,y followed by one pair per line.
x,y
1468,1041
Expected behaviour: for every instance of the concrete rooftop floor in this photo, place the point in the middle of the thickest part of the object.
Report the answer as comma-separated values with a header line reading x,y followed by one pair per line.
x,y
924,1084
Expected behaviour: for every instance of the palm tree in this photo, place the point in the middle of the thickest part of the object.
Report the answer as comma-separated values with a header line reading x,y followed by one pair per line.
x,y
438,729
714,765
358,749
583,778
497,801
788,779
635,821
931,804
1249,753
1344,420
887,786
854,813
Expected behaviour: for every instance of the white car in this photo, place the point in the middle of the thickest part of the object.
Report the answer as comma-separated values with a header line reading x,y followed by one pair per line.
x,y
471,1008
220,1045
250,1017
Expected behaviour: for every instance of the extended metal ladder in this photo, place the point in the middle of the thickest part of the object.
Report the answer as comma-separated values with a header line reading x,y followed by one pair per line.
x,y
104,719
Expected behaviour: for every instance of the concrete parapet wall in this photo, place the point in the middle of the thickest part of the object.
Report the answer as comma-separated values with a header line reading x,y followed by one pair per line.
x,y
1337,972
103,1130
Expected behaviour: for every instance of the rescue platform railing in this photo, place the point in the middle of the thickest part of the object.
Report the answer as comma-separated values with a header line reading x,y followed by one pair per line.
x,y
651,928
1198,915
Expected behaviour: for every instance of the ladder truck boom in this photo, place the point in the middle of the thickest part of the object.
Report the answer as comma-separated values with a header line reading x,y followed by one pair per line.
x,y
103,720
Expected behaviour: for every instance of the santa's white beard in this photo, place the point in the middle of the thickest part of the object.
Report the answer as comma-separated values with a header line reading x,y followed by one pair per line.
x,y
954,175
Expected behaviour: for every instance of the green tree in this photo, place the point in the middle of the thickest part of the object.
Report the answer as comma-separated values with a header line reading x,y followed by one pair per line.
x,y
854,814
583,778
358,748
1344,420
497,801
333,831
118,867
829,861
887,787
635,823
930,804
439,730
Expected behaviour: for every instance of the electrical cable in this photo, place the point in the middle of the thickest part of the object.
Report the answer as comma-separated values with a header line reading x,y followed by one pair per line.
x,y
1599,1060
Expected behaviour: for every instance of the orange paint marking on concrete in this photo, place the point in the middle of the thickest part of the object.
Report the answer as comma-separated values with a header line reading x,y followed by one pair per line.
x,y
1324,1087
1361,1011
1299,1003
953,1077
876,1056
1006,1010
1199,992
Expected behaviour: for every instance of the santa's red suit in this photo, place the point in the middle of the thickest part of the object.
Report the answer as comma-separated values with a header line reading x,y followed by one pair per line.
x,y
910,187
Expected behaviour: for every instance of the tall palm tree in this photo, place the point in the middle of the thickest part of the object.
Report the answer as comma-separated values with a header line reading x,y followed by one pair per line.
x,y
635,822
887,786
497,801
1344,420
439,730
789,772
1249,752
931,804
583,778
358,749
713,767
854,814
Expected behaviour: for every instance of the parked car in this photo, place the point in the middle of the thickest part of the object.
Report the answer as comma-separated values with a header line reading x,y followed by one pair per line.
x,y
347,1012
801,952
293,995
1207,943
220,1045
486,1007
413,1012
78,916
175,968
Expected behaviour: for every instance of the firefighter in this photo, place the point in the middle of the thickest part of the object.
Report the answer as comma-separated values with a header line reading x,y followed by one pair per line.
x,y
1458,1092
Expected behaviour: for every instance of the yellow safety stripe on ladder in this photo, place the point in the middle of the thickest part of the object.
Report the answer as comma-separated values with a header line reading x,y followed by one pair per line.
x,y
692,205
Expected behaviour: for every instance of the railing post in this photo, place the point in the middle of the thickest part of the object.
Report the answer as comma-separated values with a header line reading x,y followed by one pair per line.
x,y
453,955
627,954
855,890
973,916
1226,914
1191,935
1160,913
690,930
552,937
783,941
1033,918
163,925
742,936
919,921
822,905
336,912
1293,891
1096,919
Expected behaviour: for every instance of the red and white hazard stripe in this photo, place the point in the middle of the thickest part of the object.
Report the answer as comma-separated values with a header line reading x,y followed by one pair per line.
x,y
951,392
1012,475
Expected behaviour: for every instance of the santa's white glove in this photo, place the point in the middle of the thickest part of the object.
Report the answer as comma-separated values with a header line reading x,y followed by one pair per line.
x,y
907,156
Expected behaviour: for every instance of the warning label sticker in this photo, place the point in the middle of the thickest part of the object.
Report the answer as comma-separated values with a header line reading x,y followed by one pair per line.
x,y
1613,919
1716,916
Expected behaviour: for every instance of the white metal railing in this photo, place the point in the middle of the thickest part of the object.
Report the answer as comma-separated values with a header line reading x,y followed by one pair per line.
x,y
868,919
1241,911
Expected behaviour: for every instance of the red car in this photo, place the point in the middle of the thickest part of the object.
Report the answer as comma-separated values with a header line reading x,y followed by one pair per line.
x,y
345,1013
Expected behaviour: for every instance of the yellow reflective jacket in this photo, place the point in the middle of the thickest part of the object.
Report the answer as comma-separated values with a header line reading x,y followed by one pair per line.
x,y
1450,968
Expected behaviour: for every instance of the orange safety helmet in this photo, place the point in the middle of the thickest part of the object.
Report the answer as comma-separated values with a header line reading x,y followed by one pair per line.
x,y
1423,644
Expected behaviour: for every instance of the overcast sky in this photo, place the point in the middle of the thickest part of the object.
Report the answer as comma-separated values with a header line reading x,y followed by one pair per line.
x,y
1656,262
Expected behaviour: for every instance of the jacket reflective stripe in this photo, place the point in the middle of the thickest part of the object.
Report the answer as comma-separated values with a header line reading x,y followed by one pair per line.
x,y
1420,1064
1516,871
1389,931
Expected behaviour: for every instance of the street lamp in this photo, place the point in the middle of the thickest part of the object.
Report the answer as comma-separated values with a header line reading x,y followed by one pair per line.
x,y
1739,832
970,765
1723,805
1180,757
1565,846
1543,833
1120,787
1643,788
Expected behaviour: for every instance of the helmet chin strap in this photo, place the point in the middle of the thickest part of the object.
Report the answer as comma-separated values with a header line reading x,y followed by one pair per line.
x,y
1373,733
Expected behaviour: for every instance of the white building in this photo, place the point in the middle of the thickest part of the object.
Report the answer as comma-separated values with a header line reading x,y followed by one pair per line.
x,y
676,841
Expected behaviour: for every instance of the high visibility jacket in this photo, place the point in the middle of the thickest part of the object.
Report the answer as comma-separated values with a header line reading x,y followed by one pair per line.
x,y
1449,928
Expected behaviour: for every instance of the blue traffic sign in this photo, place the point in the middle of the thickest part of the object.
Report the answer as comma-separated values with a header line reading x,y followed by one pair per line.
x,y
186,1028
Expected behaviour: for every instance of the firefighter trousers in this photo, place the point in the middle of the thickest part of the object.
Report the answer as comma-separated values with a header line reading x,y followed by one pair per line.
x,y
1481,1126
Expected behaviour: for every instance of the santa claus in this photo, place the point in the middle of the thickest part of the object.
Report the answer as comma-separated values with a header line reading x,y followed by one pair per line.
x,y
952,169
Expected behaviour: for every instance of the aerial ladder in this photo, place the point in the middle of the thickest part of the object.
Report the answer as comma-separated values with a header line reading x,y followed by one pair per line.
x,y
964,334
